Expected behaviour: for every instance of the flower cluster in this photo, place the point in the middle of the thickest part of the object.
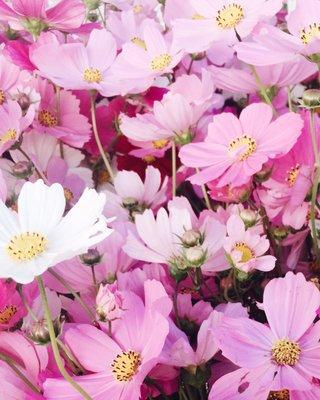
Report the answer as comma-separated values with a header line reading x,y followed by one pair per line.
x,y
159,199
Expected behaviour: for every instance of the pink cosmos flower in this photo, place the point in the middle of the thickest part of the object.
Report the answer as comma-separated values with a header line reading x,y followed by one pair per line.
x,y
9,75
177,238
235,149
245,248
137,66
272,46
109,303
60,116
130,195
174,117
34,16
237,80
284,354
80,67
118,365
196,313
222,20
144,7
12,124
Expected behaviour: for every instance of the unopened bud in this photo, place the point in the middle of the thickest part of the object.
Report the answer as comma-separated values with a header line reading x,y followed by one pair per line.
x,y
195,255
92,4
191,238
311,98
35,26
264,174
249,217
24,101
22,169
39,332
93,16
92,257
280,232
109,303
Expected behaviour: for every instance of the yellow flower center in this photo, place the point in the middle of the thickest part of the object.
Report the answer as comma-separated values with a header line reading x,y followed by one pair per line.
x,y
286,352
279,395
7,313
247,253
229,16
137,9
292,175
2,97
92,75
242,146
47,119
68,194
139,42
310,32
149,159
125,365
161,62
11,134
160,144
26,246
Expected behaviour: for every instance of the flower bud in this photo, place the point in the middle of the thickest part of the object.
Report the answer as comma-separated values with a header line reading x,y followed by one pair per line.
x,y
92,4
195,255
92,257
280,233
191,238
184,137
93,16
264,174
109,303
311,98
22,169
39,332
129,203
249,217
35,26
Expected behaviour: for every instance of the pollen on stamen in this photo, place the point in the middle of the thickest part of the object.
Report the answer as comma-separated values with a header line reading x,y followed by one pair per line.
x,y
126,365
247,253
47,119
7,313
139,42
245,143
283,394
2,97
309,33
160,144
292,175
92,75
229,16
11,134
160,63
286,352
26,246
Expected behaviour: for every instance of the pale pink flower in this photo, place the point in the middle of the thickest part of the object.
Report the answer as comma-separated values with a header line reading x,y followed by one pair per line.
x,y
9,76
104,357
12,124
130,195
60,116
109,303
235,149
177,238
136,67
284,354
80,67
139,7
221,20
245,249
34,16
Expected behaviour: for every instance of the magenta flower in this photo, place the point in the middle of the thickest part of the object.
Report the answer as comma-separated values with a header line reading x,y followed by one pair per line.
x,y
235,149
286,353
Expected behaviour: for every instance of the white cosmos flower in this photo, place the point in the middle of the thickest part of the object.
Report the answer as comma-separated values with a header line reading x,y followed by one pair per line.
x,y
39,236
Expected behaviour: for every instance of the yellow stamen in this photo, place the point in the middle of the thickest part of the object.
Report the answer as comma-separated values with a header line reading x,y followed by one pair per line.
x,y
160,144
286,352
247,253
245,142
139,42
279,395
92,75
11,134
137,9
47,119
292,175
160,63
230,16
7,313
2,97
126,365
26,246
310,32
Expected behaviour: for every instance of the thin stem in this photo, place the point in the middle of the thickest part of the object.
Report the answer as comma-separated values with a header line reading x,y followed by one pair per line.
x,y
205,194
70,356
97,138
262,89
315,186
40,173
175,305
74,293
54,343
17,371
26,305
174,168
289,98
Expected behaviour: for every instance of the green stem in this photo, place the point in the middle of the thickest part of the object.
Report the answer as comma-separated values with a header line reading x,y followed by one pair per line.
x,y
96,136
205,194
315,186
17,371
70,356
54,343
40,174
74,293
174,168
262,89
